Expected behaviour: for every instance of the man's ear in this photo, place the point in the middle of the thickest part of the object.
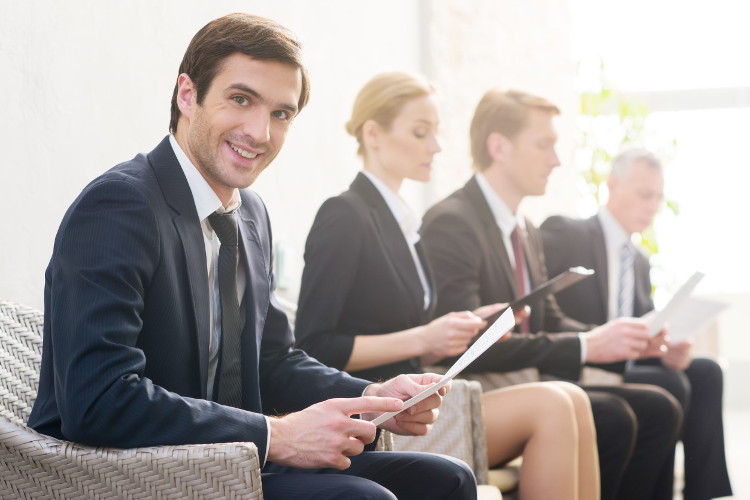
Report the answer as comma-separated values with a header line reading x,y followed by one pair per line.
x,y
371,134
498,146
186,95
611,183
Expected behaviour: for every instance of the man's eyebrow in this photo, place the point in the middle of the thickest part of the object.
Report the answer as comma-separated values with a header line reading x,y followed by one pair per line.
x,y
244,88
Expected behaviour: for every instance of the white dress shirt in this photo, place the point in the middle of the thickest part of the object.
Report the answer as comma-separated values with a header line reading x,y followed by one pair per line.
x,y
409,224
615,237
507,222
206,203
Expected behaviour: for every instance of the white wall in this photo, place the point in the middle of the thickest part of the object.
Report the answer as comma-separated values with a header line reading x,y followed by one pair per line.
x,y
88,85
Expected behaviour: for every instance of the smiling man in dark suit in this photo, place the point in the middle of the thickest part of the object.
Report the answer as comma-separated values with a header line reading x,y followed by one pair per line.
x,y
483,252
622,285
161,326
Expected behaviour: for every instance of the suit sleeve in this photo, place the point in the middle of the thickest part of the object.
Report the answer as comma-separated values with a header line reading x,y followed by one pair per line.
x,y
554,319
554,243
290,379
455,254
331,260
105,256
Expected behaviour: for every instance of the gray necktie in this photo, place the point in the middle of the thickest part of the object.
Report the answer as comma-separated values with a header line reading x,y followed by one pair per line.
x,y
230,380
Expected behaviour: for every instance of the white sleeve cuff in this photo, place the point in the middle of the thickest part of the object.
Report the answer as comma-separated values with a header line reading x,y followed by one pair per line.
x,y
583,348
268,438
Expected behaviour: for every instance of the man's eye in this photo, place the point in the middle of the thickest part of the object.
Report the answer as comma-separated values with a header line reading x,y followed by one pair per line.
x,y
281,114
241,100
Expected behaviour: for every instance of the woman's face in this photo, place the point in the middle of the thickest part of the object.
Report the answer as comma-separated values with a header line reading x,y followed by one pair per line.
x,y
405,149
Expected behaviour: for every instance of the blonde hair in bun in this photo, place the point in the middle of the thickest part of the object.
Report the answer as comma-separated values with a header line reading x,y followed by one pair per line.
x,y
382,98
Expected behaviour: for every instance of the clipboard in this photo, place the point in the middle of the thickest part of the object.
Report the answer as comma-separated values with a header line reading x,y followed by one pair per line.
x,y
554,285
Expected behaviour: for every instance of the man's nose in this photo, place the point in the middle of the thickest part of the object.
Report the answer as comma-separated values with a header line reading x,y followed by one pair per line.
x,y
257,126
554,159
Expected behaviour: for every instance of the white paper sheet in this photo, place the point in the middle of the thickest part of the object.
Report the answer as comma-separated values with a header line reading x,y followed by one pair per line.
x,y
658,320
499,328
693,317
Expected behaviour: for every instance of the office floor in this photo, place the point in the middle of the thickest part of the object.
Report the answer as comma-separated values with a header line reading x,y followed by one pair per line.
x,y
737,435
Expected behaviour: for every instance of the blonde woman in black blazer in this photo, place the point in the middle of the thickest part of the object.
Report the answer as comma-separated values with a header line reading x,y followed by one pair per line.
x,y
367,301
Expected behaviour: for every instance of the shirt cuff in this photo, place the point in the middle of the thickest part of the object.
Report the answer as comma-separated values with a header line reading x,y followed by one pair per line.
x,y
268,438
583,348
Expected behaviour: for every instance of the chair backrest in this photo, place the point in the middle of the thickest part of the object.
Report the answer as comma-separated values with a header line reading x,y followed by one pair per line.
x,y
21,330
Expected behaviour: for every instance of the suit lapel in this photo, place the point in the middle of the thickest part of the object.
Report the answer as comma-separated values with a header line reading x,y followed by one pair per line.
x,y
258,287
532,263
178,195
430,280
492,231
392,237
598,247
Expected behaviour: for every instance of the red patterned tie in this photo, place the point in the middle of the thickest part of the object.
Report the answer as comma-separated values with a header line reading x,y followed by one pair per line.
x,y
516,238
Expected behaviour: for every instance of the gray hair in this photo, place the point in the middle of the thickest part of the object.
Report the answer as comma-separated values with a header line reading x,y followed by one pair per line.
x,y
624,161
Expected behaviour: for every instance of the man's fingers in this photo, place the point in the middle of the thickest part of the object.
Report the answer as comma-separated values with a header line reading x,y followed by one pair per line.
x,y
353,447
430,403
367,404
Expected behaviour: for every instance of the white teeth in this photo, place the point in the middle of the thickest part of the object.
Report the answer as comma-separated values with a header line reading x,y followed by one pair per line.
x,y
245,154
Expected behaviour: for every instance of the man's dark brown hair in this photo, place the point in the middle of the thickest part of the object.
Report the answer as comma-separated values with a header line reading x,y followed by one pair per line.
x,y
254,36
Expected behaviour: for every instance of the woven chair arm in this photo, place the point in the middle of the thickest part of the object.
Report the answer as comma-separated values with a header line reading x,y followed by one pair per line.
x,y
34,465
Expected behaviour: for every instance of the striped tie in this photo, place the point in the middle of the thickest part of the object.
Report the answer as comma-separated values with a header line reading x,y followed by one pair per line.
x,y
230,380
625,293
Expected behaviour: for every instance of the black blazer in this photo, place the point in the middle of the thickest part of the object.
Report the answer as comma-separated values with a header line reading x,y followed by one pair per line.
x,y
465,248
359,279
126,329
575,242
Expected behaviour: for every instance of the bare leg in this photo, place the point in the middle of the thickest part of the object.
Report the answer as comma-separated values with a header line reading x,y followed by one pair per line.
x,y
539,422
588,456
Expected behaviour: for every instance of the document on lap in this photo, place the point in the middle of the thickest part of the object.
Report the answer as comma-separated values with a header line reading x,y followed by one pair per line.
x,y
657,320
500,327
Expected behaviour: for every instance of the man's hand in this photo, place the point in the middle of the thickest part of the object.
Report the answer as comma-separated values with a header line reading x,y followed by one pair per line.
x,y
679,355
618,340
657,346
417,420
324,434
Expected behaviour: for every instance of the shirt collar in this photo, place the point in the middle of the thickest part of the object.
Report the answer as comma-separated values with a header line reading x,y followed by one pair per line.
x,y
614,234
206,201
504,218
407,221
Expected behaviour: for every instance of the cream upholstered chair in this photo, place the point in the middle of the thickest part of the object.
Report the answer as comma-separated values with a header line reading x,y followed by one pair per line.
x,y
459,432
36,466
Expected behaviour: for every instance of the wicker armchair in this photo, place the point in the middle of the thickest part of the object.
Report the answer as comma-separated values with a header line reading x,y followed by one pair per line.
x,y
36,466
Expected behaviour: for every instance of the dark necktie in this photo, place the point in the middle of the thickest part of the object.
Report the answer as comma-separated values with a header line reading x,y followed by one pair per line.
x,y
516,239
230,381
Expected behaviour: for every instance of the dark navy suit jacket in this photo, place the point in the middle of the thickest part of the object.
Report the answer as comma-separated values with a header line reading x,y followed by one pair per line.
x,y
126,329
